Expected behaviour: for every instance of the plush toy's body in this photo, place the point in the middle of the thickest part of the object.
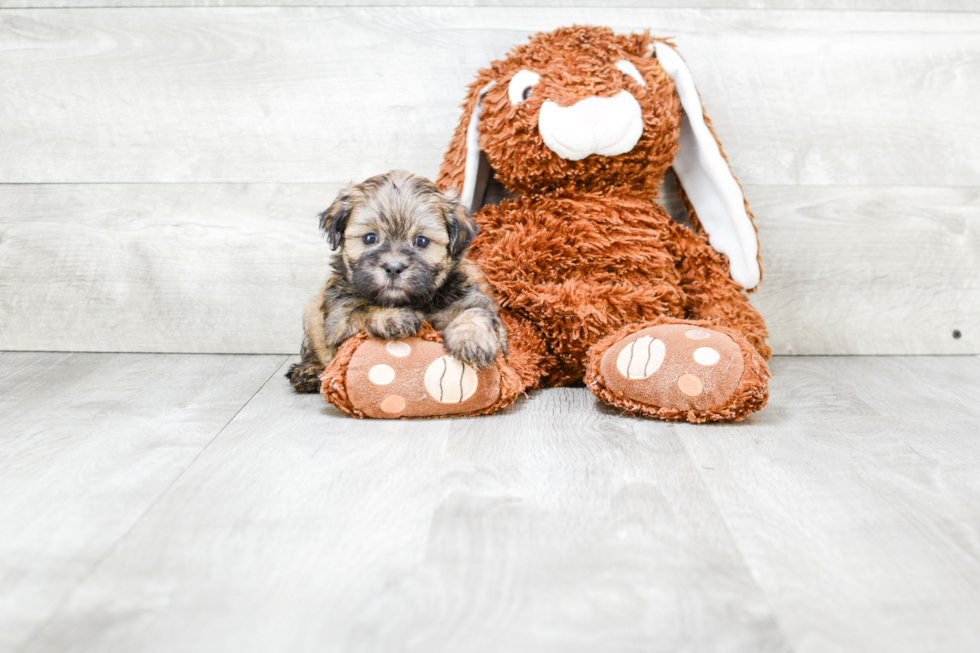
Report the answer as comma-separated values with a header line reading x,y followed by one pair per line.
x,y
578,266
560,153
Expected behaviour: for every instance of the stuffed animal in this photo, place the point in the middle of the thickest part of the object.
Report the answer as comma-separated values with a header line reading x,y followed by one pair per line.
x,y
559,154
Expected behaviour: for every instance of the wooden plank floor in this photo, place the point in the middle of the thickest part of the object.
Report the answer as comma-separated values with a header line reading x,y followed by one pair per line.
x,y
194,503
89,442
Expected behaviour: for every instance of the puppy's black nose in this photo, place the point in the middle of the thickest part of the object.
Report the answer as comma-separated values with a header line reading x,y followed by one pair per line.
x,y
393,268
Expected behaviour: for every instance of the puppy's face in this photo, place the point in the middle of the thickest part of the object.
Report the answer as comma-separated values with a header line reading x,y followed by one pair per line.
x,y
399,237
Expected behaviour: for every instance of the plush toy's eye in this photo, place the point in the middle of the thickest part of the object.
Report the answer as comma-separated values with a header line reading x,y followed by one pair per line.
x,y
421,242
630,70
369,239
521,85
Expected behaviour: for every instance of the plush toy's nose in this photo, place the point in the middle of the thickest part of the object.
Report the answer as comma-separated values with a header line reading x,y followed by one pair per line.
x,y
597,125
589,111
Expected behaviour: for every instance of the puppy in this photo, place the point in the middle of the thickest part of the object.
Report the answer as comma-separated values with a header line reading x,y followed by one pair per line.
x,y
400,244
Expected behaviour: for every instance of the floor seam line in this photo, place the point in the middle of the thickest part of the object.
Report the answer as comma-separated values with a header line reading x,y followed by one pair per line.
x,y
98,563
735,544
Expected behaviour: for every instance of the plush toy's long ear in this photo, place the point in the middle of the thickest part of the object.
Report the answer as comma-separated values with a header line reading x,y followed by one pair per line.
x,y
464,169
714,195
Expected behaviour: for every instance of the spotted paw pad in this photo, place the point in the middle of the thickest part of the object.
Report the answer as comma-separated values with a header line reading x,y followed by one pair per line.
x,y
674,366
416,378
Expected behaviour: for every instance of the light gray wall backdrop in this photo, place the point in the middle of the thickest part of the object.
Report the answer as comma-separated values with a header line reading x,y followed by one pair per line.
x,y
162,167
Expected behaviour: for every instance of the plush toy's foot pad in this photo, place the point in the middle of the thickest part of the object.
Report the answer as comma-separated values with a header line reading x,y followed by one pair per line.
x,y
416,378
682,371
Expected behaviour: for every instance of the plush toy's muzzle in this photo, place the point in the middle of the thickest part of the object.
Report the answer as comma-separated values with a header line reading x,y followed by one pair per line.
x,y
607,126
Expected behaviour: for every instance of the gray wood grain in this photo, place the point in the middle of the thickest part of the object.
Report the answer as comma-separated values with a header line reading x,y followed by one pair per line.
x,y
866,5
145,267
558,525
855,500
88,442
228,267
869,270
328,94
554,526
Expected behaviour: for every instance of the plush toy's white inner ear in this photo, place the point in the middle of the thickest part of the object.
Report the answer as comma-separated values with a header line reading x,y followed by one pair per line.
x,y
708,181
473,151
629,69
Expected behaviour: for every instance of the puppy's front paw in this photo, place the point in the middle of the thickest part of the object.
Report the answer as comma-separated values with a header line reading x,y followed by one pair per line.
x,y
472,338
393,323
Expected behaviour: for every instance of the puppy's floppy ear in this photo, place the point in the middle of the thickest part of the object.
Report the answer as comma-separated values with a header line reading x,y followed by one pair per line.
x,y
462,229
333,221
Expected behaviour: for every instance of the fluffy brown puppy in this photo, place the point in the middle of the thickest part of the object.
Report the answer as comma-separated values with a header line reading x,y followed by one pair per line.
x,y
400,262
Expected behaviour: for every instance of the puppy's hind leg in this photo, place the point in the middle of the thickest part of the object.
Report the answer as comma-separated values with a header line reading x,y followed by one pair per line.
x,y
305,375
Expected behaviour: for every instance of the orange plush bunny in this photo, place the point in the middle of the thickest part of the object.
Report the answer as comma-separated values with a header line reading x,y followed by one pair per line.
x,y
559,154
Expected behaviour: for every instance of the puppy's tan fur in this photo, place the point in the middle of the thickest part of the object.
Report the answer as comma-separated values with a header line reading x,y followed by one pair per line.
x,y
400,262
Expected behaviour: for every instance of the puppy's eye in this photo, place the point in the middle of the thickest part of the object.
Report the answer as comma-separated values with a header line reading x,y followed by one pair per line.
x,y
370,239
421,242
630,71
522,86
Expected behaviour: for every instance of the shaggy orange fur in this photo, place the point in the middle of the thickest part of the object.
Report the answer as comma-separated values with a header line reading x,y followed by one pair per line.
x,y
585,251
